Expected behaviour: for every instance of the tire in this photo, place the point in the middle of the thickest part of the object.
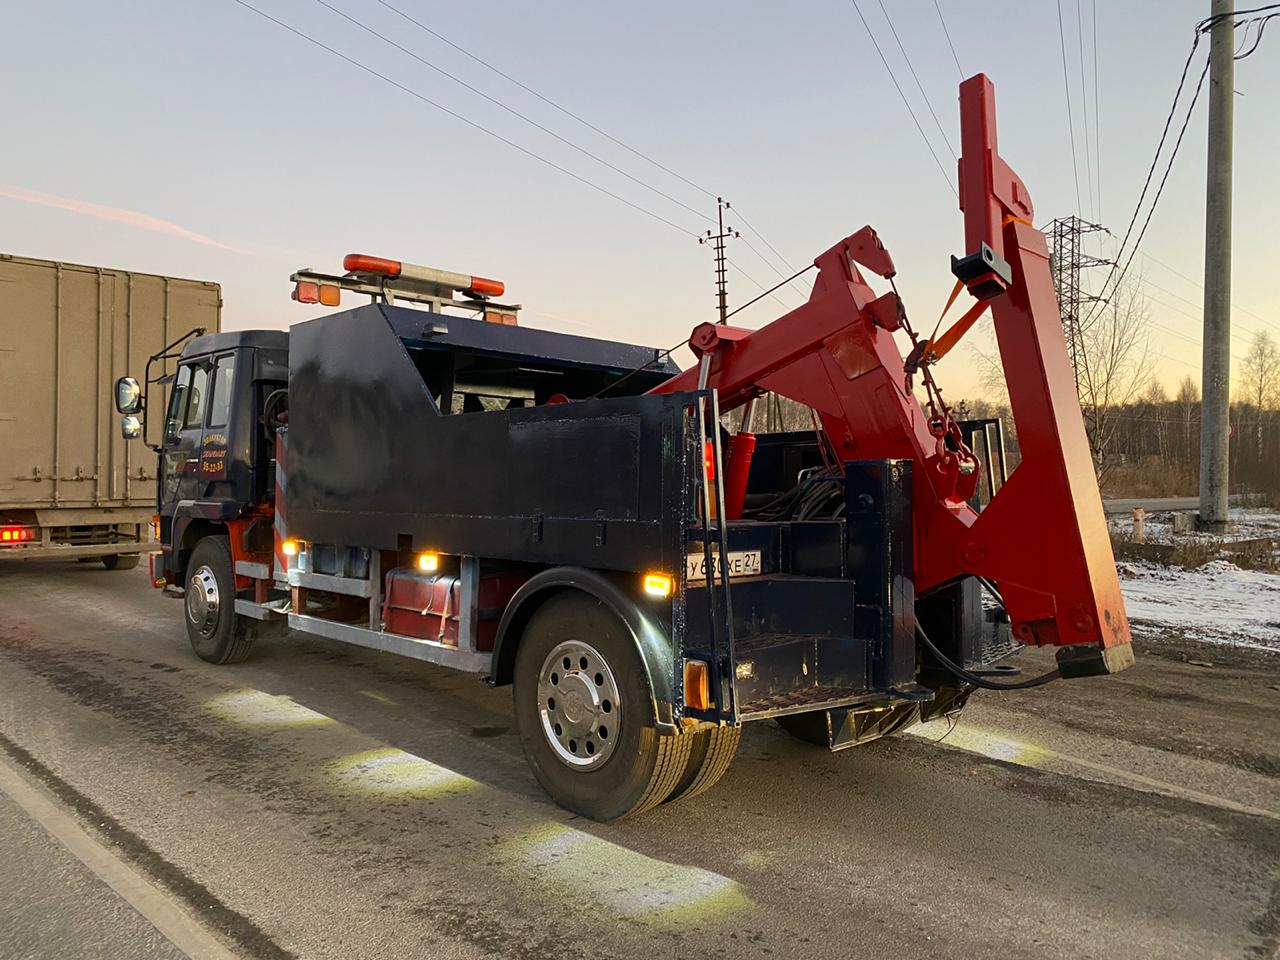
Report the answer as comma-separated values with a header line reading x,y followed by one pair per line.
x,y
632,767
709,757
121,561
217,635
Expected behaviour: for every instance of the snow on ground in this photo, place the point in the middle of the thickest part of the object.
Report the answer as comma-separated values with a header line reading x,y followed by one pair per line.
x,y
1216,603
1247,523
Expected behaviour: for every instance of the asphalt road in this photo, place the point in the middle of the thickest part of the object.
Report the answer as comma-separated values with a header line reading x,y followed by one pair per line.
x,y
319,801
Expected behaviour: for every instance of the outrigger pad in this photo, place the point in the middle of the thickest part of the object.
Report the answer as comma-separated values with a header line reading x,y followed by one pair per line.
x,y
1094,660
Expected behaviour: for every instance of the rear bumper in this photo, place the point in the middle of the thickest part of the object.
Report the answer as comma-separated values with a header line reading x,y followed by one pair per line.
x,y
70,551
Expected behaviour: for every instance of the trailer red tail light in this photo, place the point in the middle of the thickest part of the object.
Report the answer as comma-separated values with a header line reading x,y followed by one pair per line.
x,y
709,461
16,534
363,263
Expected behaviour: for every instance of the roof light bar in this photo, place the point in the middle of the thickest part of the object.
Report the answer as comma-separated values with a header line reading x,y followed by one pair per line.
x,y
364,263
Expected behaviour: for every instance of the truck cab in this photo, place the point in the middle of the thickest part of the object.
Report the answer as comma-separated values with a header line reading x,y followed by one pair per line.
x,y
216,448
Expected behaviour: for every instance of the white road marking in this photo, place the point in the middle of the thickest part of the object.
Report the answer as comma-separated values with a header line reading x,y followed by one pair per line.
x,y
1023,753
160,909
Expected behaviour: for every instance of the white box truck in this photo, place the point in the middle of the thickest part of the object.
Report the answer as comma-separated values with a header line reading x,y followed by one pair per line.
x,y
70,486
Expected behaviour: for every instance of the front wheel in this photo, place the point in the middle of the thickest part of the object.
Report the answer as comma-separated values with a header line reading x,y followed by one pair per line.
x,y
216,633
585,713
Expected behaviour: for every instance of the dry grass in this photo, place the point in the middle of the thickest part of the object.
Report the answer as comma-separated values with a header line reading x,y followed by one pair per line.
x,y
1150,478
1255,555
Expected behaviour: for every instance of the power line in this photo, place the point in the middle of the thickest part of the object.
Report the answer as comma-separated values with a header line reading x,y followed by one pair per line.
x,y
752,247
511,110
585,122
919,86
542,127
942,20
768,291
469,122
1151,173
1084,108
1097,132
951,186
1066,86
1200,29
1234,306
545,99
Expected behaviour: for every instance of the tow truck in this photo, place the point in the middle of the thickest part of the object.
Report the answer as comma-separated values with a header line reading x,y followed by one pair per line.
x,y
422,475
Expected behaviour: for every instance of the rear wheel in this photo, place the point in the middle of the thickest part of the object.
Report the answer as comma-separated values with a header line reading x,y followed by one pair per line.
x,y
709,757
585,713
121,561
215,632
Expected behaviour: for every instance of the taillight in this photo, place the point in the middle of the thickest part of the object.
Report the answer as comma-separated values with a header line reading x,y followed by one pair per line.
x,y
709,461
15,534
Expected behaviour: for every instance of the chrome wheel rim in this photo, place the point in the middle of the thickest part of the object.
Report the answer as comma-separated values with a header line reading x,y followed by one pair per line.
x,y
202,600
579,705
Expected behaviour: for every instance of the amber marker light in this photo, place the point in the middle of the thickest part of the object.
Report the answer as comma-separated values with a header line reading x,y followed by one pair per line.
x,y
657,584
697,685
428,562
290,548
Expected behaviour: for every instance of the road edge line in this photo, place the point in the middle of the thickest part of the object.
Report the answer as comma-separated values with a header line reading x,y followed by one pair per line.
x,y
156,906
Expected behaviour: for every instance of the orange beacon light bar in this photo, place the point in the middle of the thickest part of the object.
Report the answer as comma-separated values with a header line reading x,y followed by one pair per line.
x,y
364,263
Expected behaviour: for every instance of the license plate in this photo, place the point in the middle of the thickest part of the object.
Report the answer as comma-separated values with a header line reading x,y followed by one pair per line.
x,y
742,563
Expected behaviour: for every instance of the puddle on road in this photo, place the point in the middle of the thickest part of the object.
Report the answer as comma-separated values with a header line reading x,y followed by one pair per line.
x,y
390,772
253,708
575,866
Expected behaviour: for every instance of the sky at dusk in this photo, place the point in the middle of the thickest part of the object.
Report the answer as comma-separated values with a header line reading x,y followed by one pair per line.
x,y
201,140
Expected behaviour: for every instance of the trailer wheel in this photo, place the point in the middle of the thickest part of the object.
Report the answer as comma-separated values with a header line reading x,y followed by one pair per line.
x,y
215,632
710,754
121,561
585,713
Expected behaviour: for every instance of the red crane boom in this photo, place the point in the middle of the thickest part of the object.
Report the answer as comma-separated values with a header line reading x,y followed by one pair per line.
x,y
1043,538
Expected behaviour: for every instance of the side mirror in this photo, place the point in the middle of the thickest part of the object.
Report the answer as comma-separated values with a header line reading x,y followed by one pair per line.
x,y
130,427
128,395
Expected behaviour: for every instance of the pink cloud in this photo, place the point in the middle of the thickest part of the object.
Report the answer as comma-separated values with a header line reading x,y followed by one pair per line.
x,y
130,218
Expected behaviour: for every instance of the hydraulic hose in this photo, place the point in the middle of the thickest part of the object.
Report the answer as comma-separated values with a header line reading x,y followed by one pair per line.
x,y
982,682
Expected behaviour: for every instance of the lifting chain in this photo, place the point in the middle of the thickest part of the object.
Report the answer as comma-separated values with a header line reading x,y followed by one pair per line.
x,y
942,424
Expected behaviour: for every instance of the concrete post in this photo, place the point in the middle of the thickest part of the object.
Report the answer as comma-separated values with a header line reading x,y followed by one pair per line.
x,y
1215,425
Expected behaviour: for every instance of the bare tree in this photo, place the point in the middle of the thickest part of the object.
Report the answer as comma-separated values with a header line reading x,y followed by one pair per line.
x,y
1260,381
1187,405
1260,373
1114,367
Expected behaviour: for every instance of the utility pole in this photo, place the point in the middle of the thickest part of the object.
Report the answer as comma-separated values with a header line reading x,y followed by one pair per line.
x,y
1215,416
1069,259
717,241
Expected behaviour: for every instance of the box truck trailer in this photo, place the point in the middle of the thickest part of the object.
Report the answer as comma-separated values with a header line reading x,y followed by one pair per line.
x,y
70,487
